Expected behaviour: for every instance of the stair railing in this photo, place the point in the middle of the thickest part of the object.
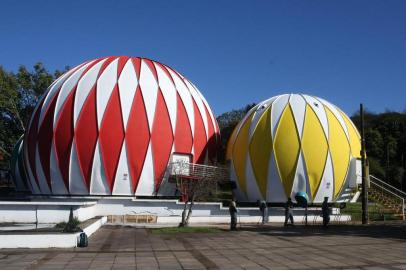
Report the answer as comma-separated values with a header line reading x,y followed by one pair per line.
x,y
388,186
389,191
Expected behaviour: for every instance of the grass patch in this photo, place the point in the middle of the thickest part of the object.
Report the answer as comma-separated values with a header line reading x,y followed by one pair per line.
x,y
174,230
376,212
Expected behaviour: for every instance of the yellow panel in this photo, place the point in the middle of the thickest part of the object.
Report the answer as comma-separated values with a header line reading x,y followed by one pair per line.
x,y
314,145
240,151
354,137
287,146
260,150
230,143
340,151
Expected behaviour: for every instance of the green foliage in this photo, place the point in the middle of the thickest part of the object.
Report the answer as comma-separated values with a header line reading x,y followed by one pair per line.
x,y
385,137
376,212
227,122
74,223
19,93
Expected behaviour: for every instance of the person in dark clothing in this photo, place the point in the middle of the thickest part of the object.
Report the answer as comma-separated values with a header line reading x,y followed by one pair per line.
x,y
264,211
325,212
233,214
289,212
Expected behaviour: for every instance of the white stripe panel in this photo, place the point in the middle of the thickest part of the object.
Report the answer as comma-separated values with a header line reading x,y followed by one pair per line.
x,y
186,99
127,86
275,190
318,108
326,187
253,192
351,123
200,106
337,114
98,184
278,106
77,184
169,92
31,178
66,89
213,119
240,196
146,183
149,89
53,90
260,109
57,183
301,181
83,89
298,105
43,185
105,86
122,182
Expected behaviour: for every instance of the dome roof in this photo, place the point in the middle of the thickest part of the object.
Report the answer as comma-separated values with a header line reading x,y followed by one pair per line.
x,y
110,125
292,143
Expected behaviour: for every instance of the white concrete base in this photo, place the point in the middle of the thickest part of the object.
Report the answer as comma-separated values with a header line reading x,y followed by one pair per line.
x,y
47,240
56,209
251,219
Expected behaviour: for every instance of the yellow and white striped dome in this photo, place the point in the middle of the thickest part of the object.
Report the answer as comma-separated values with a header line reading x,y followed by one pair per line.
x,y
293,143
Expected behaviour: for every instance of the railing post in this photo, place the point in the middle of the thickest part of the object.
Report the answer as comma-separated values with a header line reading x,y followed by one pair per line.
x,y
403,209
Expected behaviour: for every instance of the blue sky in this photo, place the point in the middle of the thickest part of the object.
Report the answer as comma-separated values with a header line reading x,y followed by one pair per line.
x,y
236,52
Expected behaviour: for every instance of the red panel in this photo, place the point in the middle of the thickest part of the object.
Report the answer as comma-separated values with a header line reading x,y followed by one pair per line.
x,y
45,135
86,135
211,142
183,133
137,66
122,60
199,140
161,139
137,137
63,136
32,140
111,136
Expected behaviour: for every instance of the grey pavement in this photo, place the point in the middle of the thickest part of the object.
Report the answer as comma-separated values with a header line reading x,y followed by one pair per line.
x,y
268,247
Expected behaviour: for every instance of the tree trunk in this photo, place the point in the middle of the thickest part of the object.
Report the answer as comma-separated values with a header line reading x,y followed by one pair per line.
x,y
189,214
183,222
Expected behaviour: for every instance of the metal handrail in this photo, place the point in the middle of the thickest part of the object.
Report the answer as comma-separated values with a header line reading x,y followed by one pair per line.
x,y
403,194
402,199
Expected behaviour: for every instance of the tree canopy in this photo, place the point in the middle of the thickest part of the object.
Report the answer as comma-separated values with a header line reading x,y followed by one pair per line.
x,y
19,93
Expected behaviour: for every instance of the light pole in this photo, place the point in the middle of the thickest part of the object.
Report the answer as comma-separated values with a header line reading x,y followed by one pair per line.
x,y
364,170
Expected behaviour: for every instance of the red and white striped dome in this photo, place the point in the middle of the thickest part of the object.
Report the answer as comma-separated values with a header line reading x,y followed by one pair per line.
x,y
110,125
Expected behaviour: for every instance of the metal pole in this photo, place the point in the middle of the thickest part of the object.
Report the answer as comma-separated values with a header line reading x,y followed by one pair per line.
x,y
364,172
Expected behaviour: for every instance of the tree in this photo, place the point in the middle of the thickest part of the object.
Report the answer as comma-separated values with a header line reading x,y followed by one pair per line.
x,y
194,182
227,122
11,124
19,93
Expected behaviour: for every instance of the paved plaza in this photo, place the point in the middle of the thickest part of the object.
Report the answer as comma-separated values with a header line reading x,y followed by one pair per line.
x,y
270,247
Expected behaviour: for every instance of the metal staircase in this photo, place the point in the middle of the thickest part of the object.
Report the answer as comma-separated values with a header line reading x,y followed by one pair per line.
x,y
391,198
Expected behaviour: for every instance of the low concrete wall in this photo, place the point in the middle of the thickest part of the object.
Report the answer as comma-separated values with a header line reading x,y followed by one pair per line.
x,y
57,210
47,240
52,211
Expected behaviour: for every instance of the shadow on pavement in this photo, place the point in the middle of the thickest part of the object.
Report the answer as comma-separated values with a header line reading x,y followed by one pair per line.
x,y
394,231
